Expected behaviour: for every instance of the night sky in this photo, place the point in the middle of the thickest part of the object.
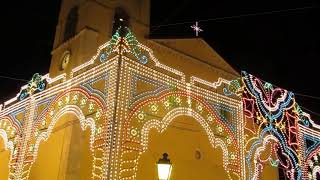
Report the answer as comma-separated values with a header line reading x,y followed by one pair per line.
x,y
282,47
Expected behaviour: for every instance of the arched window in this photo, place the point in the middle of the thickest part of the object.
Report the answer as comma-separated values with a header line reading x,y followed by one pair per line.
x,y
121,18
71,24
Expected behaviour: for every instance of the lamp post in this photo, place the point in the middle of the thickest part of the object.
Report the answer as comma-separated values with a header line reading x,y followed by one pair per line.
x,y
164,167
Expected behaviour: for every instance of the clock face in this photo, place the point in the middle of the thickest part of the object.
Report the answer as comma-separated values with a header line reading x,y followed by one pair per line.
x,y
65,60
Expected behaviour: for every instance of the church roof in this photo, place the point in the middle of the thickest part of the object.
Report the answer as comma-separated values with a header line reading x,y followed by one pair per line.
x,y
198,49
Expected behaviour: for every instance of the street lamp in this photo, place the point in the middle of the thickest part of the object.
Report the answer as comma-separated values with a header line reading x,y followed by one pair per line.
x,y
164,167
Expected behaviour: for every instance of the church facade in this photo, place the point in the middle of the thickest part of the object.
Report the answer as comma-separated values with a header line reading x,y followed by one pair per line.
x,y
114,101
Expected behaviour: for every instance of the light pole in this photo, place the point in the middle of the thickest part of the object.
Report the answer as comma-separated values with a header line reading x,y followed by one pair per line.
x,y
164,167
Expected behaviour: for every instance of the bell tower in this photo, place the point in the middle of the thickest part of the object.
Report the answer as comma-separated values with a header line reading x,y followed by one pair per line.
x,y
84,25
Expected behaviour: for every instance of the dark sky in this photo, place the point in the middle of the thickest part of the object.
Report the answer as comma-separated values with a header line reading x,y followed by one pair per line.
x,y
282,47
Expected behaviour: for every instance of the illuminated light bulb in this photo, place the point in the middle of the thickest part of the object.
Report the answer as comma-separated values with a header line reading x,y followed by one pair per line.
x,y
51,113
44,123
91,107
75,98
229,141
143,59
98,113
199,108
167,104
134,132
219,129
31,148
60,103
232,156
99,130
67,99
154,107
178,100
83,101
141,116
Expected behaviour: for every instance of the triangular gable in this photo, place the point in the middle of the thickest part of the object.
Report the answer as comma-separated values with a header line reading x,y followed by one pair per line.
x,y
199,49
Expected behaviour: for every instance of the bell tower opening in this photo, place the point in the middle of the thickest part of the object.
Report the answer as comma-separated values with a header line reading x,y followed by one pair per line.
x,y
71,24
120,19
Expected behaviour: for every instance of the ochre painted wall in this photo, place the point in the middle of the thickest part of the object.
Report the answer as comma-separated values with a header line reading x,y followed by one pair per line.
x,y
66,154
269,173
189,150
4,157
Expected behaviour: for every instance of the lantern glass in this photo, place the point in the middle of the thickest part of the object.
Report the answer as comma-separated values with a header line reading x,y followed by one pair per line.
x,y
164,171
164,167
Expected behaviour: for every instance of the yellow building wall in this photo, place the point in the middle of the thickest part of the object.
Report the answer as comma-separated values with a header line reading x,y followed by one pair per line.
x,y
269,173
66,154
189,150
4,161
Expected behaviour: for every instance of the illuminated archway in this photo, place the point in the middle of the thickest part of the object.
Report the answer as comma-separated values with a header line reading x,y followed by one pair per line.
x,y
67,153
137,128
271,111
189,148
89,112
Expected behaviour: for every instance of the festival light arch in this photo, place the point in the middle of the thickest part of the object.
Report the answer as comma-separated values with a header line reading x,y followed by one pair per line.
x,y
89,111
271,111
158,112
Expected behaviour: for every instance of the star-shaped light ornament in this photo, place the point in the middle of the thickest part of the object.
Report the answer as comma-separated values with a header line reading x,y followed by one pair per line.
x,y
196,28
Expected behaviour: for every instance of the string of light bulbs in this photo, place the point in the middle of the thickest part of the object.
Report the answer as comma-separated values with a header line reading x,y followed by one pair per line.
x,y
229,17
317,114
13,78
308,96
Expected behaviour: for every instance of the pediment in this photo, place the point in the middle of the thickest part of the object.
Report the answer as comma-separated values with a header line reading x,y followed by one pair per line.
x,y
198,49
